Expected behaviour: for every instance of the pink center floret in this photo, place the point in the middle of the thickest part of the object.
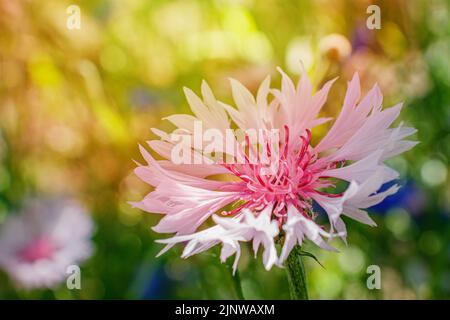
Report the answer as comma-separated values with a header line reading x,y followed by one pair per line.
x,y
38,249
296,176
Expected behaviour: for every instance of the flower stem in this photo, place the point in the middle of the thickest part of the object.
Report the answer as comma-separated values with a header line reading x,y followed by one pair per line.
x,y
238,286
296,275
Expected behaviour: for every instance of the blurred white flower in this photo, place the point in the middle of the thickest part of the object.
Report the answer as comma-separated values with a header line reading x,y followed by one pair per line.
x,y
38,244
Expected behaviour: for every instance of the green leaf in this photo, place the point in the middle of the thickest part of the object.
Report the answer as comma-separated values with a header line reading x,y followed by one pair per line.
x,y
308,254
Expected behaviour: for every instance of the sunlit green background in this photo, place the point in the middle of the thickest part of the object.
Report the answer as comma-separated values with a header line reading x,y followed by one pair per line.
x,y
74,104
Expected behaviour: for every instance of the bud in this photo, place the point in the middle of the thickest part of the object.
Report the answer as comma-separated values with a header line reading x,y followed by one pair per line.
x,y
335,47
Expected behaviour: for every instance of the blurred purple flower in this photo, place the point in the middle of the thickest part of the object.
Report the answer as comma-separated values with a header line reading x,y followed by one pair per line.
x,y
362,38
409,197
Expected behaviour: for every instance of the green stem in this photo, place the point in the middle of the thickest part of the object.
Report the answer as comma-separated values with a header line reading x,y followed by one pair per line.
x,y
238,286
296,275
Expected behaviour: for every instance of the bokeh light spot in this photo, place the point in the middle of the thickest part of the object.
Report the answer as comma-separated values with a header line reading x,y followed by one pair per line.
x,y
433,172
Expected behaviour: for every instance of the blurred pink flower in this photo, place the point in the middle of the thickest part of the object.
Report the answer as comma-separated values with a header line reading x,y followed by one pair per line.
x,y
257,202
37,245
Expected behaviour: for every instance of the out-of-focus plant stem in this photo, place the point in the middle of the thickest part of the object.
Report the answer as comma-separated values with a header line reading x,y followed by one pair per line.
x,y
238,286
296,275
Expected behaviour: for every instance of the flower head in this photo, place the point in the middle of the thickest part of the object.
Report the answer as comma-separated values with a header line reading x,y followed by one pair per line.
x,y
270,173
39,244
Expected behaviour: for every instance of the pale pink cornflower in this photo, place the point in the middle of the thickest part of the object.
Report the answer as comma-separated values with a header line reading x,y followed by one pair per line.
x,y
38,244
251,203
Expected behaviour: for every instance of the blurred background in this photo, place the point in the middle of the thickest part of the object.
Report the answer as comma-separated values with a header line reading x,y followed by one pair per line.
x,y
75,103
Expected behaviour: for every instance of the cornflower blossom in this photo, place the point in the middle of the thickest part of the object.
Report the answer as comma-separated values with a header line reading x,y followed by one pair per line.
x,y
40,243
262,203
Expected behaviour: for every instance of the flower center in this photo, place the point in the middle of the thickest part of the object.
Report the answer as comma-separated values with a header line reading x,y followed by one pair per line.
x,y
38,249
285,181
